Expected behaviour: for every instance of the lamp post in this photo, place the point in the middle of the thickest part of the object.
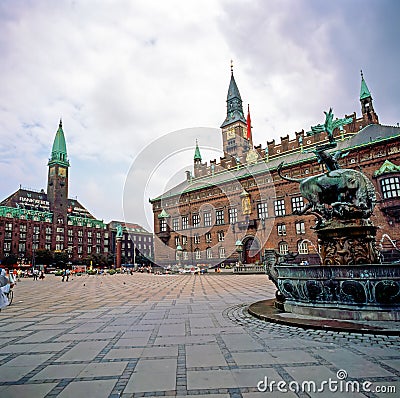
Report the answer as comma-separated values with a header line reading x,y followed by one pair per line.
x,y
239,249
179,251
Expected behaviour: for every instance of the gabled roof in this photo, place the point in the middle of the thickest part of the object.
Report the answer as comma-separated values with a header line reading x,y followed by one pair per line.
x,y
386,168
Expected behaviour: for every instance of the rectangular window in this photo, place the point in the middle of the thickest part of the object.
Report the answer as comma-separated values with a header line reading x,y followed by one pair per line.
x,y
262,210
231,147
9,226
232,213
297,203
184,240
279,206
22,228
196,220
281,229
221,236
7,246
219,217
89,234
222,252
175,224
300,228
390,187
177,241
163,225
185,223
208,237
207,219
209,252
198,254
196,239
70,232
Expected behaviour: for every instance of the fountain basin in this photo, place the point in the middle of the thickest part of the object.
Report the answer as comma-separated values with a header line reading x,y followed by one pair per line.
x,y
357,292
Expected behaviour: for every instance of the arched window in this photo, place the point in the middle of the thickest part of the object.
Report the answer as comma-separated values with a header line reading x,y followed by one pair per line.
x,y
302,247
283,248
197,253
209,252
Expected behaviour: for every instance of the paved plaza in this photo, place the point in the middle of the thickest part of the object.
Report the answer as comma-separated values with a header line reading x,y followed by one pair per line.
x,y
176,335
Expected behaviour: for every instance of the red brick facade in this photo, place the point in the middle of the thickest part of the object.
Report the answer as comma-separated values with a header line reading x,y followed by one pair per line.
x,y
199,218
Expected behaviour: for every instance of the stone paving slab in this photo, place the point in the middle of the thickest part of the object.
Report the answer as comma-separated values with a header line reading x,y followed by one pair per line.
x,y
187,336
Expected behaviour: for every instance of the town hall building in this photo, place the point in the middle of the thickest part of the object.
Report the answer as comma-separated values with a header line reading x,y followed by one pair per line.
x,y
231,210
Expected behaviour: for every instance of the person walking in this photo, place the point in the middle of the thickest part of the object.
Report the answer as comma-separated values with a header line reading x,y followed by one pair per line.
x,y
4,288
67,273
35,274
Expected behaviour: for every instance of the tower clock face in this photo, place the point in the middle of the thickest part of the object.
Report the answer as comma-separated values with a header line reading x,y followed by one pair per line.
x,y
62,172
230,134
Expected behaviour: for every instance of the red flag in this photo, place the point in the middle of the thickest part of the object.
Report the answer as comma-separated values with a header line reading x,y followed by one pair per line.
x,y
248,122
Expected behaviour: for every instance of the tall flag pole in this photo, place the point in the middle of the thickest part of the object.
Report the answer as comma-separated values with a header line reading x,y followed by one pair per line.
x,y
248,122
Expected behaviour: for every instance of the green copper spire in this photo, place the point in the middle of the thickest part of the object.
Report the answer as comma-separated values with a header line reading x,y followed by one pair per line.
x,y
364,92
59,150
197,155
234,104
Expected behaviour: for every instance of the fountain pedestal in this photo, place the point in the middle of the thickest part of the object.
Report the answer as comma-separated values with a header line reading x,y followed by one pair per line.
x,y
348,242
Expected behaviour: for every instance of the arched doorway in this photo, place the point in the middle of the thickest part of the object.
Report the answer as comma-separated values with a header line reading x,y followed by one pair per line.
x,y
251,250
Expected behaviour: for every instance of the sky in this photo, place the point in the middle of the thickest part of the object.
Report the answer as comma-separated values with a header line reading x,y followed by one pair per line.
x,y
137,82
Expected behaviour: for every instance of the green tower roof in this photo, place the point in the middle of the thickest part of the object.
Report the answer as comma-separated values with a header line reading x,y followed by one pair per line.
x,y
234,111
59,150
364,92
197,155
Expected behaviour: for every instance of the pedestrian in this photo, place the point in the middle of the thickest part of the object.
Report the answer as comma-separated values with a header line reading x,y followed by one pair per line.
x,y
41,274
67,272
64,274
35,274
4,288
19,273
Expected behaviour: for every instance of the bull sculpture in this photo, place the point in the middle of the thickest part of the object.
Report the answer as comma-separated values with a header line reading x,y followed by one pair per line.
x,y
339,193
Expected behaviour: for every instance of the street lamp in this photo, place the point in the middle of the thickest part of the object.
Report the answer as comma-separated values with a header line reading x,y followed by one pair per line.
x,y
179,251
239,249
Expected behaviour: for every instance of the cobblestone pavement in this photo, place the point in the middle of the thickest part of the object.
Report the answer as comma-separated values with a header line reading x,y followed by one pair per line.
x,y
176,335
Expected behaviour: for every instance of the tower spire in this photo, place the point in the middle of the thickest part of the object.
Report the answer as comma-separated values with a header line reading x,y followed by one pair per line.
x,y
234,108
197,155
364,92
59,149
367,107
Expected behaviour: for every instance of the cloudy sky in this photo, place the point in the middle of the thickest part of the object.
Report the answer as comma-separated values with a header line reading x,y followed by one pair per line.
x,y
130,78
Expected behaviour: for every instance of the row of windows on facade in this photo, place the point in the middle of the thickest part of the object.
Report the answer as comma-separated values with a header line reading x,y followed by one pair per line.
x,y
196,238
262,213
302,248
49,230
281,230
198,255
58,247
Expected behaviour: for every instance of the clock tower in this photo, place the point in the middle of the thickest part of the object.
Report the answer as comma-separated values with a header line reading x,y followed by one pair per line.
x,y
235,138
57,181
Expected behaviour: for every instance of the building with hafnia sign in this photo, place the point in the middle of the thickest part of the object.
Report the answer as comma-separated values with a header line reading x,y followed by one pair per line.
x,y
48,223
229,211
